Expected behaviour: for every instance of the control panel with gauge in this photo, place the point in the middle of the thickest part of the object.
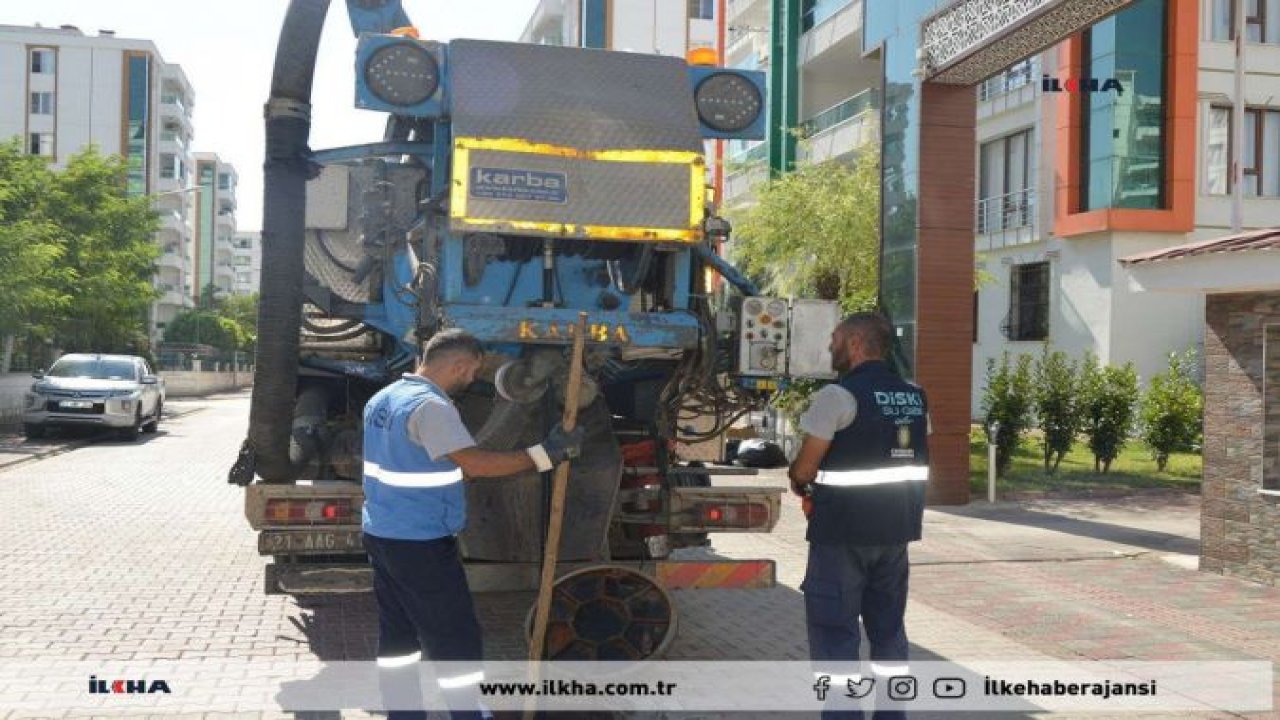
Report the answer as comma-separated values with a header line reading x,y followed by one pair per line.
x,y
778,338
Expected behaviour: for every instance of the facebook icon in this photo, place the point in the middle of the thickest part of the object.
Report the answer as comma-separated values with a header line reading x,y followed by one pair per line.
x,y
821,687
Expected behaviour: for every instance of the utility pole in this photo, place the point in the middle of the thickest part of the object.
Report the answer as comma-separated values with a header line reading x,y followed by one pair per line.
x,y
1237,122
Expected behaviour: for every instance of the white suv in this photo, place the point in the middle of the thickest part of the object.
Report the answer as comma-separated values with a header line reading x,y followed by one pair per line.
x,y
111,391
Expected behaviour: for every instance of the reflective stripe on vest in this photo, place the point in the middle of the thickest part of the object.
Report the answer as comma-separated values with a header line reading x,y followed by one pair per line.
x,y
878,476
412,479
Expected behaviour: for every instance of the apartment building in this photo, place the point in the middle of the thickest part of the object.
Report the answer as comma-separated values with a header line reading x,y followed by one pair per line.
x,y
62,90
658,27
246,261
215,226
1068,182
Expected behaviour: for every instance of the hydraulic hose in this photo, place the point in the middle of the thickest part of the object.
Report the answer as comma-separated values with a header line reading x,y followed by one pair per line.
x,y
286,170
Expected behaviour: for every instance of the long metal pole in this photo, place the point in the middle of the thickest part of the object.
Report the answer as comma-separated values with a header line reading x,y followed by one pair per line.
x,y
1237,123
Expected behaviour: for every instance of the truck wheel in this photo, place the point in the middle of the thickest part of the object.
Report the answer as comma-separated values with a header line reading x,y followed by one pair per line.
x,y
32,431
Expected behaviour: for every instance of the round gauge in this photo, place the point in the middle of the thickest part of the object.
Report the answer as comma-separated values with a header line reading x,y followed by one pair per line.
x,y
752,307
727,102
403,73
778,308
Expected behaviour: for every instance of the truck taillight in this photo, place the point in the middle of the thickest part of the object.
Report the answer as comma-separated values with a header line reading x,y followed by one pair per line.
x,y
735,515
284,511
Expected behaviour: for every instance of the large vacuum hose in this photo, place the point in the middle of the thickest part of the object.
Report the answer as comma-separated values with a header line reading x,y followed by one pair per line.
x,y
286,170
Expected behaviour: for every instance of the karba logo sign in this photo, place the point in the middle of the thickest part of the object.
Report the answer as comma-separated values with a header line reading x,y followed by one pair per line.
x,y
1082,85
127,687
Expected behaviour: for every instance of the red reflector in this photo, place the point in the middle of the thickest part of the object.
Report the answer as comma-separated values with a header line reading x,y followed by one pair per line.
x,y
746,515
284,511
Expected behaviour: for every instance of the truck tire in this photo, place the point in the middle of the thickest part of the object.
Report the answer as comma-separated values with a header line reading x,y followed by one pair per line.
x,y
32,431
130,434
154,424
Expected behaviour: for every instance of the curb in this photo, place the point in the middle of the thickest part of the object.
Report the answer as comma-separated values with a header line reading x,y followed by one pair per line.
x,y
77,444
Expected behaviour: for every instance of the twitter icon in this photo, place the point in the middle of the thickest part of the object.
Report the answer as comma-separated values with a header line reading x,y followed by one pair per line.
x,y
860,688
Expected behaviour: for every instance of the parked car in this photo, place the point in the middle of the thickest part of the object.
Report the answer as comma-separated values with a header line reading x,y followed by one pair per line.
x,y
109,391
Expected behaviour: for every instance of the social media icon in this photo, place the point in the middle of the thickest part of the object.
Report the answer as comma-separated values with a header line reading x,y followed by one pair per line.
x,y
948,688
861,688
903,687
821,686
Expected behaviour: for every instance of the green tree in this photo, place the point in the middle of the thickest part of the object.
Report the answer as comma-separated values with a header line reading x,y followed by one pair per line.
x,y
1110,397
206,327
34,284
108,253
1173,409
243,311
1008,398
1057,400
815,232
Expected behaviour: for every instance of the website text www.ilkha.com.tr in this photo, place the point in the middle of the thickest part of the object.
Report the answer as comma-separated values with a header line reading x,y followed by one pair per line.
x,y
575,688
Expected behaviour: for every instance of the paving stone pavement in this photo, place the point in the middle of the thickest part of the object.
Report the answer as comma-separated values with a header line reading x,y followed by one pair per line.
x,y
140,551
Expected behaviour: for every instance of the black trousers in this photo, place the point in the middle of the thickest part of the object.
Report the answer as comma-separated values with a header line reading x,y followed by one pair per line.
x,y
424,607
845,582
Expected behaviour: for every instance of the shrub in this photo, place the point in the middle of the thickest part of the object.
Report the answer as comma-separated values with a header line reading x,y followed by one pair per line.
x,y
1007,399
1172,411
1110,397
1057,405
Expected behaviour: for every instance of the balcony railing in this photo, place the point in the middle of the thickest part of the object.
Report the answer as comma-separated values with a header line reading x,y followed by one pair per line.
x,y
1006,212
1017,76
844,110
759,153
819,12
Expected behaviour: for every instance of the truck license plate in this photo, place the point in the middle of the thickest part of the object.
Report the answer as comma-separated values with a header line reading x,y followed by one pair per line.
x,y
309,541
76,404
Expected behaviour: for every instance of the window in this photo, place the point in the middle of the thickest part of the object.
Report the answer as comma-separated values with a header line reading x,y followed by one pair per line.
x,y
1017,75
1217,154
1028,302
1261,21
42,62
224,181
1005,198
41,144
1122,163
1261,157
702,9
168,166
41,103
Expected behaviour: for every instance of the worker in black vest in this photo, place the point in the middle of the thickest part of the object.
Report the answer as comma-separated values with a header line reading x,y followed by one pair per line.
x,y
862,470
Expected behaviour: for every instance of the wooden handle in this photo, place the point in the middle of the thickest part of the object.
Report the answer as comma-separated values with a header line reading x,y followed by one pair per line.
x,y
559,489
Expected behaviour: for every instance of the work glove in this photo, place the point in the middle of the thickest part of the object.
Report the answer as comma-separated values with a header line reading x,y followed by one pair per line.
x,y
558,446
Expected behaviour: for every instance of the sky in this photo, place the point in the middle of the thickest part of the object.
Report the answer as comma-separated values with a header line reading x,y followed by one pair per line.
x,y
227,48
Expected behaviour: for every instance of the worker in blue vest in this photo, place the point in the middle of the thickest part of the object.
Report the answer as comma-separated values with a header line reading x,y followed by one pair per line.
x,y
862,470
417,453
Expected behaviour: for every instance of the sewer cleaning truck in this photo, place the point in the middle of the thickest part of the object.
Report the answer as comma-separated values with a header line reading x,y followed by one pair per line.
x,y
516,186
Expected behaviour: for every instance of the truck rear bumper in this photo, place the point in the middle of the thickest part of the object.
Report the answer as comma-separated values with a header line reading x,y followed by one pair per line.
x,y
316,579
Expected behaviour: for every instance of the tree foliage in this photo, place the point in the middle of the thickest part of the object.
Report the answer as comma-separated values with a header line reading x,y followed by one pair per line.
x,y
109,247
814,233
77,252
1008,398
30,249
206,327
1173,409
1110,400
1057,404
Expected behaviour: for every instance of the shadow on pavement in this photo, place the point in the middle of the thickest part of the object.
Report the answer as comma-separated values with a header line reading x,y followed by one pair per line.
x,y
1155,540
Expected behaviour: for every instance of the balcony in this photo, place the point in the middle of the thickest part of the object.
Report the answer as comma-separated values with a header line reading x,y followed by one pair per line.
x,y
171,257
1013,88
831,26
1006,220
738,8
841,129
174,142
169,295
